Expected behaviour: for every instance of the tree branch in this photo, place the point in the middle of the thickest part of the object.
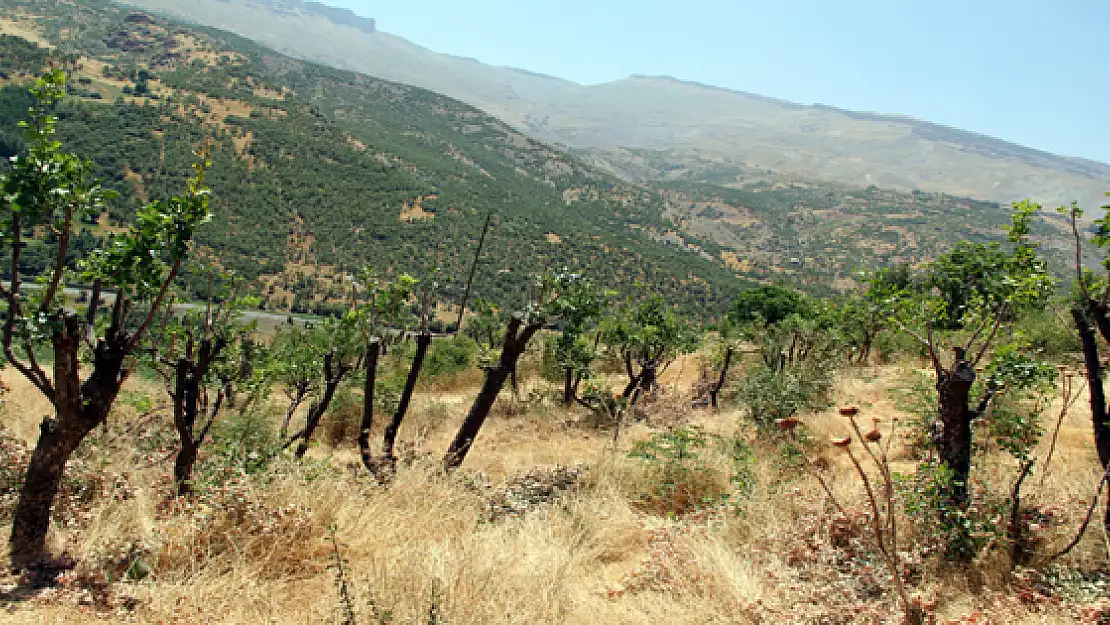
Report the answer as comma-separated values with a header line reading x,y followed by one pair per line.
x,y
1078,259
155,305
94,304
211,417
994,330
927,343
60,261
1087,519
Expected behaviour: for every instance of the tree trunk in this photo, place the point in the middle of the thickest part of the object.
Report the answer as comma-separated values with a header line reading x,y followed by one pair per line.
x,y
479,410
294,403
183,466
954,439
372,352
646,382
865,349
568,387
720,379
58,438
315,414
186,397
516,340
79,408
1101,317
1099,417
333,378
630,388
953,443
423,340
514,383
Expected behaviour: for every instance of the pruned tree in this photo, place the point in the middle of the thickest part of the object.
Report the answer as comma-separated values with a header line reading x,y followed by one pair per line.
x,y
576,345
521,328
49,189
1021,280
1090,312
728,344
647,337
423,341
865,313
383,321
294,360
342,348
199,354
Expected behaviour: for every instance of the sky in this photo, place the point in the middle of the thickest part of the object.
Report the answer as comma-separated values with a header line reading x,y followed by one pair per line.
x,y
1032,72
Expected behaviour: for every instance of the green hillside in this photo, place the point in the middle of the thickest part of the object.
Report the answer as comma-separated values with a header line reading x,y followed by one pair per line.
x,y
688,120
318,172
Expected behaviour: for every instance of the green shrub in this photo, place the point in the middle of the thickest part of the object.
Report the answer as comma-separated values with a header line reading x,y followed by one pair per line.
x,y
686,470
771,393
1047,333
936,528
448,357
240,444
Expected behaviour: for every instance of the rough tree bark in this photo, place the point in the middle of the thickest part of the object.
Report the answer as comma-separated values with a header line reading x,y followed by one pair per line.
x,y
953,438
1099,417
423,340
79,408
333,377
373,350
516,340
189,401
713,392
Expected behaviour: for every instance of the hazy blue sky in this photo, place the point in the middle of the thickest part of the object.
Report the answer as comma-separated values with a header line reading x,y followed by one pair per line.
x,y
1033,72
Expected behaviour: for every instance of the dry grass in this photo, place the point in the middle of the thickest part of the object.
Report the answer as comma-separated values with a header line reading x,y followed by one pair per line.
x,y
259,551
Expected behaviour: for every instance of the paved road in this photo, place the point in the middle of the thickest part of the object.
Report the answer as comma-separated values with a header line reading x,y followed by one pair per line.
x,y
264,318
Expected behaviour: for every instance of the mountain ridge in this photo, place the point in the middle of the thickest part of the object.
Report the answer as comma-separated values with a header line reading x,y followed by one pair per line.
x,y
810,141
318,172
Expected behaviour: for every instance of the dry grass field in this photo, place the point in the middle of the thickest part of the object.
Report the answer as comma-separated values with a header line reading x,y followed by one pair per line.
x,y
550,521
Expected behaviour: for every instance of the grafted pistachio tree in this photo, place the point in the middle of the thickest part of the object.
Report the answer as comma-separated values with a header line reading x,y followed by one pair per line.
x,y
1019,280
200,355
423,341
799,354
294,359
647,337
340,344
383,320
49,189
865,314
1091,314
546,306
576,346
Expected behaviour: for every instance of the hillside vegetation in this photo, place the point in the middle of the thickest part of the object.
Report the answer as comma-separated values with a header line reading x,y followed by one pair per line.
x,y
693,121
578,454
321,171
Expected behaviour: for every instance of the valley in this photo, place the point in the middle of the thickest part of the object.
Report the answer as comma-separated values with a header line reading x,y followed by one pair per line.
x,y
691,121
282,342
